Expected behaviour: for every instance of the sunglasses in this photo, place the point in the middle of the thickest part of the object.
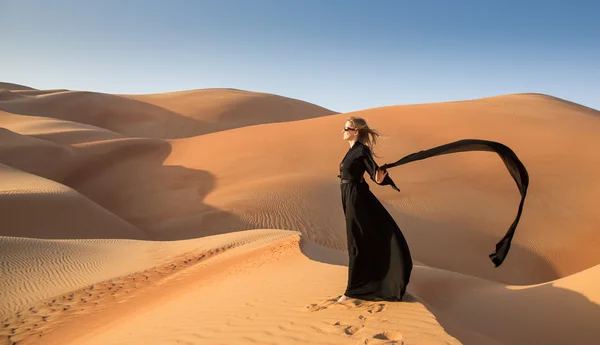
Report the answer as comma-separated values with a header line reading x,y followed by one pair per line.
x,y
346,129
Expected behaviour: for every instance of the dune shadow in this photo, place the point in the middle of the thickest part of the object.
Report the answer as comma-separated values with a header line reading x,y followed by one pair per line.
x,y
545,314
322,254
454,247
128,178
463,249
569,316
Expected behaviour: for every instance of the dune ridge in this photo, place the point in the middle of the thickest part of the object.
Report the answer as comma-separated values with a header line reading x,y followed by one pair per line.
x,y
172,209
12,86
171,115
57,131
114,308
470,194
33,155
7,95
75,264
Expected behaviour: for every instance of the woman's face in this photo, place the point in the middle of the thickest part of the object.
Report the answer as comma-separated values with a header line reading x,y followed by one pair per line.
x,y
349,131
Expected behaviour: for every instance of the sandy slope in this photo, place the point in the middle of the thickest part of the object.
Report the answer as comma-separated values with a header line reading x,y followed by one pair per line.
x,y
86,177
564,311
33,155
11,86
57,131
232,108
248,284
249,281
35,207
172,115
75,264
452,208
7,95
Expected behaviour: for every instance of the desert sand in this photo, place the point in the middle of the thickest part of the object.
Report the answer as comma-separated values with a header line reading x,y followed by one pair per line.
x,y
213,217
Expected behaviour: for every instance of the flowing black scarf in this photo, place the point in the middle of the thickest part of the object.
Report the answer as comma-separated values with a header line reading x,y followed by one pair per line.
x,y
512,162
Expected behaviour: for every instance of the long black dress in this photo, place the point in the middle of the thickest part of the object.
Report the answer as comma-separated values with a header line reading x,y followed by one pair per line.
x,y
380,262
379,259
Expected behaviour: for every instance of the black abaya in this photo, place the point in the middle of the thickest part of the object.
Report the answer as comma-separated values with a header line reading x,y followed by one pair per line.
x,y
380,263
379,259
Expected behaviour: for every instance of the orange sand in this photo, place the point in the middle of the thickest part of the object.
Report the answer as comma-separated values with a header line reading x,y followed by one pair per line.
x,y
213,216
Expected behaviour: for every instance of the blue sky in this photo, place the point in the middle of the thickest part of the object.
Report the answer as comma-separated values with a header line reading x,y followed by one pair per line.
x,y
344,55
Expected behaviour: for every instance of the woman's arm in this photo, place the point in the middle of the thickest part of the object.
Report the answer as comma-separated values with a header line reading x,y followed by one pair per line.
x,y
376,174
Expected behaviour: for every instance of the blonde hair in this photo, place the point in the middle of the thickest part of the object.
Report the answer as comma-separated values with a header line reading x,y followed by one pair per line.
x,y
366,135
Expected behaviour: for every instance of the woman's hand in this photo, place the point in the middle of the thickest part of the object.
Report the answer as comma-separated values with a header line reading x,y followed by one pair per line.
x,y
380,175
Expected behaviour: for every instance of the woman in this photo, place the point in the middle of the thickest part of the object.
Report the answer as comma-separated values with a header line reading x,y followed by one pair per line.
x,y
380,262
379,259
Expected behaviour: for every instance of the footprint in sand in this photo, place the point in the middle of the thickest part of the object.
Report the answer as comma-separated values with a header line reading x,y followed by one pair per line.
x,y
360,304
351,303
323,305
377,308
387,337
347,329
353,329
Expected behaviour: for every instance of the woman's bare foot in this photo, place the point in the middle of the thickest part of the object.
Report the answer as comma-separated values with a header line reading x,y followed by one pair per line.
x,y
342,299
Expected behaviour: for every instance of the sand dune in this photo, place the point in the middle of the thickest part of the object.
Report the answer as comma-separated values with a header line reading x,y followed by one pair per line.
x,y
173,115
564,311
33,155
69,265
57,131
7,95
249,285
470,196
161,193
33,92
232,108
11,86
32,206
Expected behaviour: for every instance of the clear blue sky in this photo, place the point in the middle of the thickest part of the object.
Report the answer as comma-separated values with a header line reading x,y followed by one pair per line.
x,y
344,55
